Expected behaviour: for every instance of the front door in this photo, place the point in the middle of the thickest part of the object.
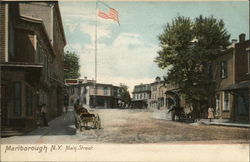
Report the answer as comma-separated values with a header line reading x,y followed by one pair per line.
x,y
242,105
4,112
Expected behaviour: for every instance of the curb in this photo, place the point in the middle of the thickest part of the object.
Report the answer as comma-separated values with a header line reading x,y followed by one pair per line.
x,y
230,125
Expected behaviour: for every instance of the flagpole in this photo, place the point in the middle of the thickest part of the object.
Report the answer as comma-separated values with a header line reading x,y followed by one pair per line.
x,y
95,88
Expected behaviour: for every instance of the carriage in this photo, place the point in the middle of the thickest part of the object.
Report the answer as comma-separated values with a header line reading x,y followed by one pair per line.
x,y
83,117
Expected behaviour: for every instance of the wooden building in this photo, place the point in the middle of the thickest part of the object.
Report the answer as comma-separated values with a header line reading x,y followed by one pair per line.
x,y
140,96
27,60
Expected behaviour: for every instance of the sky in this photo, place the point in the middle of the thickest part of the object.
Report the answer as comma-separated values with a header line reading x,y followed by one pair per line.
x,y
125,53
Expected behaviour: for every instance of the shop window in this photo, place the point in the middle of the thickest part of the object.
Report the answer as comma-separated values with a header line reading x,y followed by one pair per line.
x,y
226,101
243,103
217,98
29,101
17,99
105,90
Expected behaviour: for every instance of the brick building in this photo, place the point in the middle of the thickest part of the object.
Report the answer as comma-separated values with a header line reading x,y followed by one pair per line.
x,y
158,99
141,95
27,73
49,13
231,73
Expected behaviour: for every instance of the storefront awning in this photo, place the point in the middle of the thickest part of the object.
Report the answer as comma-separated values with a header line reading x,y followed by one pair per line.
x,y
236,86
32,71
7,65
172,92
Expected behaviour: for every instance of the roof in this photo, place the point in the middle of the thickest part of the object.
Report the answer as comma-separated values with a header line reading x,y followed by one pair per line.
x,y
143,91
20,64
58,15
225,52
156,82
41,24
29,67
173,91
60,21
236,86
140,85
91,83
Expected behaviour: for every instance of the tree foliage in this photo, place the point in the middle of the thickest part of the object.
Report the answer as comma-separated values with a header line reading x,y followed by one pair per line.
x,y
124,95
187,49
71,60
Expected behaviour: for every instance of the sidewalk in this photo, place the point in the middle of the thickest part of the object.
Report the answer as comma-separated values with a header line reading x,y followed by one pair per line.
x,y
220,122
164,115
53,124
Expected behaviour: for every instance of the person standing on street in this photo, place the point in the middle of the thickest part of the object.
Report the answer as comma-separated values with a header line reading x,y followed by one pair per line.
x,y
44,113
173,112
210,113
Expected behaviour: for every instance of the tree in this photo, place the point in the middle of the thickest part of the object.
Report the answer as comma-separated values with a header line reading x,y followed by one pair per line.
x,y
187,50
124,95
71,60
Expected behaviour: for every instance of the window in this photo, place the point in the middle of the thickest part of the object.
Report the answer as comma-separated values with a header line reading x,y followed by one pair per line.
x,y
226,101
47,66
29,101
41,55
217,98
17,99
248,49
223,69
242,103
45,62
154,88
50,66
105,91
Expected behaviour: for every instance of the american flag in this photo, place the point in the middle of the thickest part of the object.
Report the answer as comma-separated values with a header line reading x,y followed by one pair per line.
x,y
113,15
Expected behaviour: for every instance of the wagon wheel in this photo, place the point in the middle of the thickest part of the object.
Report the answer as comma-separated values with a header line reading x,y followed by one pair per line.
x,y
80,128
98,122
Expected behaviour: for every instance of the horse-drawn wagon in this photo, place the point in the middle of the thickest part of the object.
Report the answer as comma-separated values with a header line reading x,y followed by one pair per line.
x,y
83,117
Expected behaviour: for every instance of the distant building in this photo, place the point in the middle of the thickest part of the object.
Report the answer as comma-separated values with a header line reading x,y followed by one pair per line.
x,y
84,93
158,98
140,96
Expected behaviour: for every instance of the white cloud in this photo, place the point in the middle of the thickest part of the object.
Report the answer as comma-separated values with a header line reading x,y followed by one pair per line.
x,y
126,39
118,62
128,59
102,31
72,27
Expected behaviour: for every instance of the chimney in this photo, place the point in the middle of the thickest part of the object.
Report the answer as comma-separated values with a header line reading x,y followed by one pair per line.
x,y
234,41
157,79
242,37
85,80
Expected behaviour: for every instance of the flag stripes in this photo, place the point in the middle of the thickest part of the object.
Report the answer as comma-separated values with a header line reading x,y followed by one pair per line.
x,y
113,14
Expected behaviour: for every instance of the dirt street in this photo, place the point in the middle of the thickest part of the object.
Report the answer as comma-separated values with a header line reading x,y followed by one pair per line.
x,y
136,126
131,126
